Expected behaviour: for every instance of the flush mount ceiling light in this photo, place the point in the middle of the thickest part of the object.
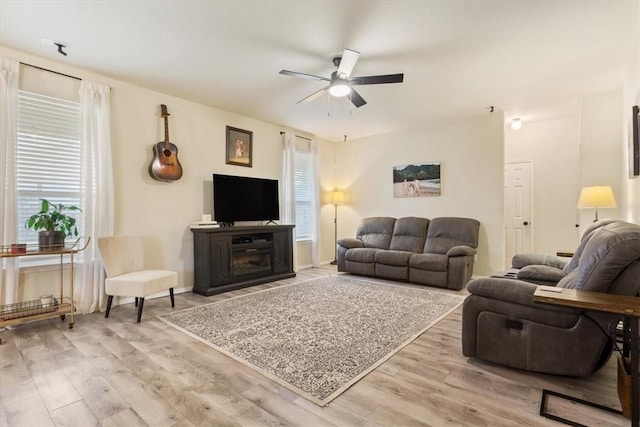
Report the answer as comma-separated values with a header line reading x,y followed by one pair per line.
x,y
516,123
339,88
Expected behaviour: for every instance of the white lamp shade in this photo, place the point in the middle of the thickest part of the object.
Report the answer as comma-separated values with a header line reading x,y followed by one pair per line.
x,y
337,198
597,197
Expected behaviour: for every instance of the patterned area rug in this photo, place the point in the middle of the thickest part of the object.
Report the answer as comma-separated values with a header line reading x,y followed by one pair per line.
x,y
320,336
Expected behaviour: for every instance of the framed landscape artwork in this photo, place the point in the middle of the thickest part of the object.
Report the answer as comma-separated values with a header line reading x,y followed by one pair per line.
x,y
421,180
634,143
239,147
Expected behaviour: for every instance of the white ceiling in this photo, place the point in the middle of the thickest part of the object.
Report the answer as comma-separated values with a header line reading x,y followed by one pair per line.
x,y
458,57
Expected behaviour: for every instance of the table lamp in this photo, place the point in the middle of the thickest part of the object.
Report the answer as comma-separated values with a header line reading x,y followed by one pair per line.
x,y
597,197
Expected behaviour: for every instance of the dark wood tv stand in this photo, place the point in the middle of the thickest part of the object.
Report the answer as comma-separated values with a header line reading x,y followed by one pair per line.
x,y
229,258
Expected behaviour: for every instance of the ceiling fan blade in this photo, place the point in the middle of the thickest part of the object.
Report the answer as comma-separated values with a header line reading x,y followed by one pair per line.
x,y
375,80
348,61
356,99
313,96
303,75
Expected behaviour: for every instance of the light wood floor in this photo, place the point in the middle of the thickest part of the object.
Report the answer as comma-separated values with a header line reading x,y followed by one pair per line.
x,y
114,372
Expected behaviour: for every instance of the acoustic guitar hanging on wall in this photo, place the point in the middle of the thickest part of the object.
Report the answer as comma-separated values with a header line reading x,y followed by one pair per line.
x,y
165,165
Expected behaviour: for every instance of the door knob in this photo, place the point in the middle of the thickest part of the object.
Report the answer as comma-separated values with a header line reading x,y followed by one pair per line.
x,y
526,223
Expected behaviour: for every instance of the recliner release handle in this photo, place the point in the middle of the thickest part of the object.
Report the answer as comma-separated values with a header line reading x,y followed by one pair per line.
x,y
514,324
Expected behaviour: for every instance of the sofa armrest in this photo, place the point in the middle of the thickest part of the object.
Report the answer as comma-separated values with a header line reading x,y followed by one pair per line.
x,y
351,243
461,251
543,273
523,260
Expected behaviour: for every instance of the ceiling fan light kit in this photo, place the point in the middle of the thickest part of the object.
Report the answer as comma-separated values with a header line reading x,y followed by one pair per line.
x,y
341,83
339,88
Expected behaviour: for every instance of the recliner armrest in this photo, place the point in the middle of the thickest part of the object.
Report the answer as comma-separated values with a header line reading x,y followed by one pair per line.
x,y
509,290
513,291
351,243
461,251
523,260
540,272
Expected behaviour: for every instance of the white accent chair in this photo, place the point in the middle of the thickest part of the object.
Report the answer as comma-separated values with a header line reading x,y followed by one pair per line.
x,y
123,260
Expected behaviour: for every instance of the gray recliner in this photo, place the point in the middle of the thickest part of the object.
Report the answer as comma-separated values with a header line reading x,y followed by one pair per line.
x,y
502,324
548,270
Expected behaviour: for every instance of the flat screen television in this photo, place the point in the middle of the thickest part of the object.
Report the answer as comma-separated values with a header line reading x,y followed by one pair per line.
x,y
240,198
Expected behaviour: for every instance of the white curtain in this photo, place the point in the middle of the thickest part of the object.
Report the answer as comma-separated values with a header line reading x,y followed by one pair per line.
x,y
96,198
315,206
289,188
9,73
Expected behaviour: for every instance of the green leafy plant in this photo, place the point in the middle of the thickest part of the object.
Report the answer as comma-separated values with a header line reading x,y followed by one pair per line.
x,y
52,218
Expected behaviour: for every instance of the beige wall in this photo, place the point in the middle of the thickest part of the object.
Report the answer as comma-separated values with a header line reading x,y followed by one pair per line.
x,y
472,161
165,210
600,150
471,153
553,148
630,186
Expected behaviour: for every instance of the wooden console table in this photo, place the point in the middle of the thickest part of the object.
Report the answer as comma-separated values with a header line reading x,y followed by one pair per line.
x,y
27,311
629,308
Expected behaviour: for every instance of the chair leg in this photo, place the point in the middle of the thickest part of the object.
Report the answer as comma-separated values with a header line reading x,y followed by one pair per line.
x,y
136,302
109,301
140,309
173,302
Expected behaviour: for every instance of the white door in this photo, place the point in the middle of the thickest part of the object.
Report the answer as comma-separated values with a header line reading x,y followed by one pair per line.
x,y
517,209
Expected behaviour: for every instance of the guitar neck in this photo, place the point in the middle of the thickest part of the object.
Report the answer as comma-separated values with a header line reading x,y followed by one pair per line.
x,y
166,131
165,116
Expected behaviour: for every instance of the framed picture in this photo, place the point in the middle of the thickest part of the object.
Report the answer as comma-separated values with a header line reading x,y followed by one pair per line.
x,y
634,143
239,147
421,180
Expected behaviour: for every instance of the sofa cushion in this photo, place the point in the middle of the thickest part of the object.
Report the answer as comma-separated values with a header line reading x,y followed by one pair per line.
x,y
400,258
543,273
433,262
375,232
447,232
409,234
361,254
523,260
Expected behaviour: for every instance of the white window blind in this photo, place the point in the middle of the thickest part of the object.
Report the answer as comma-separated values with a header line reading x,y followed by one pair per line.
x,y
303,194
48,156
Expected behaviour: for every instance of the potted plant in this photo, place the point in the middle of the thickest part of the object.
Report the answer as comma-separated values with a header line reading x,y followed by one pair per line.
x,y
54,224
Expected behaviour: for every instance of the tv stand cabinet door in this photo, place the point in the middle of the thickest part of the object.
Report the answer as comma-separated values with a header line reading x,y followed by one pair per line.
x,y
282,252
220,260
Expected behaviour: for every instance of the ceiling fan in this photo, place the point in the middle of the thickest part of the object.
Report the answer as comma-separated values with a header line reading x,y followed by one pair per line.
x,y
341,82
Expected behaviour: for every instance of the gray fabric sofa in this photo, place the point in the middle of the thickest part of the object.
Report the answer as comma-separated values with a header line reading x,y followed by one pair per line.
x,y
502,324
437,252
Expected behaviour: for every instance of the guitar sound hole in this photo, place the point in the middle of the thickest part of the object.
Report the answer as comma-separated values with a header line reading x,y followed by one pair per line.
x,y
167,153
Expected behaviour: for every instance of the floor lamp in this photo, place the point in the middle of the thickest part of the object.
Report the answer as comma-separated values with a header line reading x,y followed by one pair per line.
x,y
597,197
337,198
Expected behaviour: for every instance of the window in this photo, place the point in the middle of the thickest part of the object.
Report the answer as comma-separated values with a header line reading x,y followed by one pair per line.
x,y
48,155
304,187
